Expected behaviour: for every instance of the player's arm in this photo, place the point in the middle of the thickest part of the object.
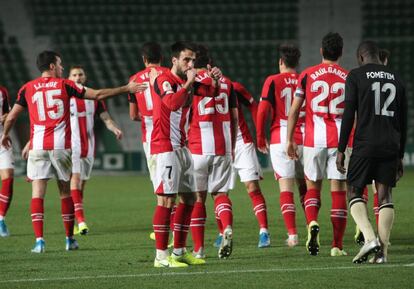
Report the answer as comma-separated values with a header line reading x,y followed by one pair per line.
x,y
111,124
291,146
5,107
234,117
108,121
101,94
174,100
9,123
134,113
348,120
263,111
403,128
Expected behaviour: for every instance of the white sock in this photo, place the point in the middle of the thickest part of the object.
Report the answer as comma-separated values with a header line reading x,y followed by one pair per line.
x,y
38,239
161,254
1,218
359,213
179,251
385,221
263,230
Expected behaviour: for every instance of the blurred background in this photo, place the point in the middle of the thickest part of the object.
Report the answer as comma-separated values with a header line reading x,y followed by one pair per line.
x,y
105,37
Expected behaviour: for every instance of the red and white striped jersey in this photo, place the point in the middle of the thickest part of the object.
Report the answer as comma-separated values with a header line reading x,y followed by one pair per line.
x,y
278,90
323,88
210,130
4,104
82,122
143,100
244,98
170,113
47,100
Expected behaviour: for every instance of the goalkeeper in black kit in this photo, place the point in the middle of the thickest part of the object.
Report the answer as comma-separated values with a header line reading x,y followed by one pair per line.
x,y
375,99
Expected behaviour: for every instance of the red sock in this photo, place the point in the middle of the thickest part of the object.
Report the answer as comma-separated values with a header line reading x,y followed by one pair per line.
x,y
78,203
259,208
182,220
302,193
172,217
161,226
365,194
68,215
37,212
376,208
287,206
198,222
312,205
6,195
338,217
219,224
222,205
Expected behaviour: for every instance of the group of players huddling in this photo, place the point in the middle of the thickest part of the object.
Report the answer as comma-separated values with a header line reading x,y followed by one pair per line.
x,y
196,140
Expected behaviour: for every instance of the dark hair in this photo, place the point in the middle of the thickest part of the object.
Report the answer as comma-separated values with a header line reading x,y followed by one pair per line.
x,y
332,44
45,58
151,51
290,54
76,66
179,46
384,54
368,48
203,57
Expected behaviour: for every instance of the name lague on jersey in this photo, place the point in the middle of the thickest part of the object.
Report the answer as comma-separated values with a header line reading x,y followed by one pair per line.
x,y
52,84
332,70
380,74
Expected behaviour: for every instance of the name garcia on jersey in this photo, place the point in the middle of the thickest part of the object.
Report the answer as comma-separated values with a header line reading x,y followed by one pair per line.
x,y
332,70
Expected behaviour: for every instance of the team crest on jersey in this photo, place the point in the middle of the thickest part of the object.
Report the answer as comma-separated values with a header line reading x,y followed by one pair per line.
x,y
166,86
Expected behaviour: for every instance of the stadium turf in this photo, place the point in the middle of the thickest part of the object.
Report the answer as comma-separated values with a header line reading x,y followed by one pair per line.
x,y
119,254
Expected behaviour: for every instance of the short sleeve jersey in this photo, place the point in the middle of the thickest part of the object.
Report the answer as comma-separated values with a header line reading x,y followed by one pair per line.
x,y
323,87
48,100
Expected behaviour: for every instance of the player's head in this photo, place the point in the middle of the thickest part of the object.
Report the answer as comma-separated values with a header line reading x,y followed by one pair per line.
x,y
151,53
384,55
183,55
77,74
203,57
289,55
332,45
50,61
368,52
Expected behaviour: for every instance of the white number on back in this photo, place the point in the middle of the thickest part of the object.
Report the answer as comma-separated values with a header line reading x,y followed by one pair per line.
x,y
323,86
147,96
376,87
52,104
222,108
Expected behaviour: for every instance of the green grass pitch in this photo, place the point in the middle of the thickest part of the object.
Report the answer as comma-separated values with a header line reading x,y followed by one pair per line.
x,y
119,254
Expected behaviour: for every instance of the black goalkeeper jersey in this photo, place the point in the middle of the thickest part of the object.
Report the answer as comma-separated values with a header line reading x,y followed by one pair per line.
x,y
375,98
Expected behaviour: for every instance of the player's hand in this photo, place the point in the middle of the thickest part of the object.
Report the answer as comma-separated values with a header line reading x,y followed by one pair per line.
x,y
340,161
191,75
25,152
400,169
118,133
263,145
134,87
153,75
214,72
5,141
292,150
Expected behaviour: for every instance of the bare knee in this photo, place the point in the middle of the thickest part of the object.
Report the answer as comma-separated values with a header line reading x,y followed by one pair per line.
x,y
252,186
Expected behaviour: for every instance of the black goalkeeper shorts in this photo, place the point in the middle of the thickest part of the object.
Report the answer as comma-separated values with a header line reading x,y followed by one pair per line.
x,y
362,171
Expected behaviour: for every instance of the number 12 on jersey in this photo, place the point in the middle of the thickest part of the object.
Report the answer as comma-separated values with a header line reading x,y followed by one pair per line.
x,y
376,87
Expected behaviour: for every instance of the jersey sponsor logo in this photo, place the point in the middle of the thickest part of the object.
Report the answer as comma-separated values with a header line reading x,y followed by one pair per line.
x,y
166,86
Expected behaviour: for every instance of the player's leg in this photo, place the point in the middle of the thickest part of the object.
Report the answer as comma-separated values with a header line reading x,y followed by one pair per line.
x,y
339,215
301,185
315,161
250,172
198,216
285,172
6,194
37,213
68,213
375,206
360,173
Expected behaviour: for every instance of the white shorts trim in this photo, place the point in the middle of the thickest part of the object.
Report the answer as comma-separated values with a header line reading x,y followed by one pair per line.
x,y
6,158
82,166
283,166
212,173
173,172
320,163
45,164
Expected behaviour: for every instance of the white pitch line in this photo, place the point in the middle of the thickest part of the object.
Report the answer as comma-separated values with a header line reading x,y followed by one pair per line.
x,y
169,274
